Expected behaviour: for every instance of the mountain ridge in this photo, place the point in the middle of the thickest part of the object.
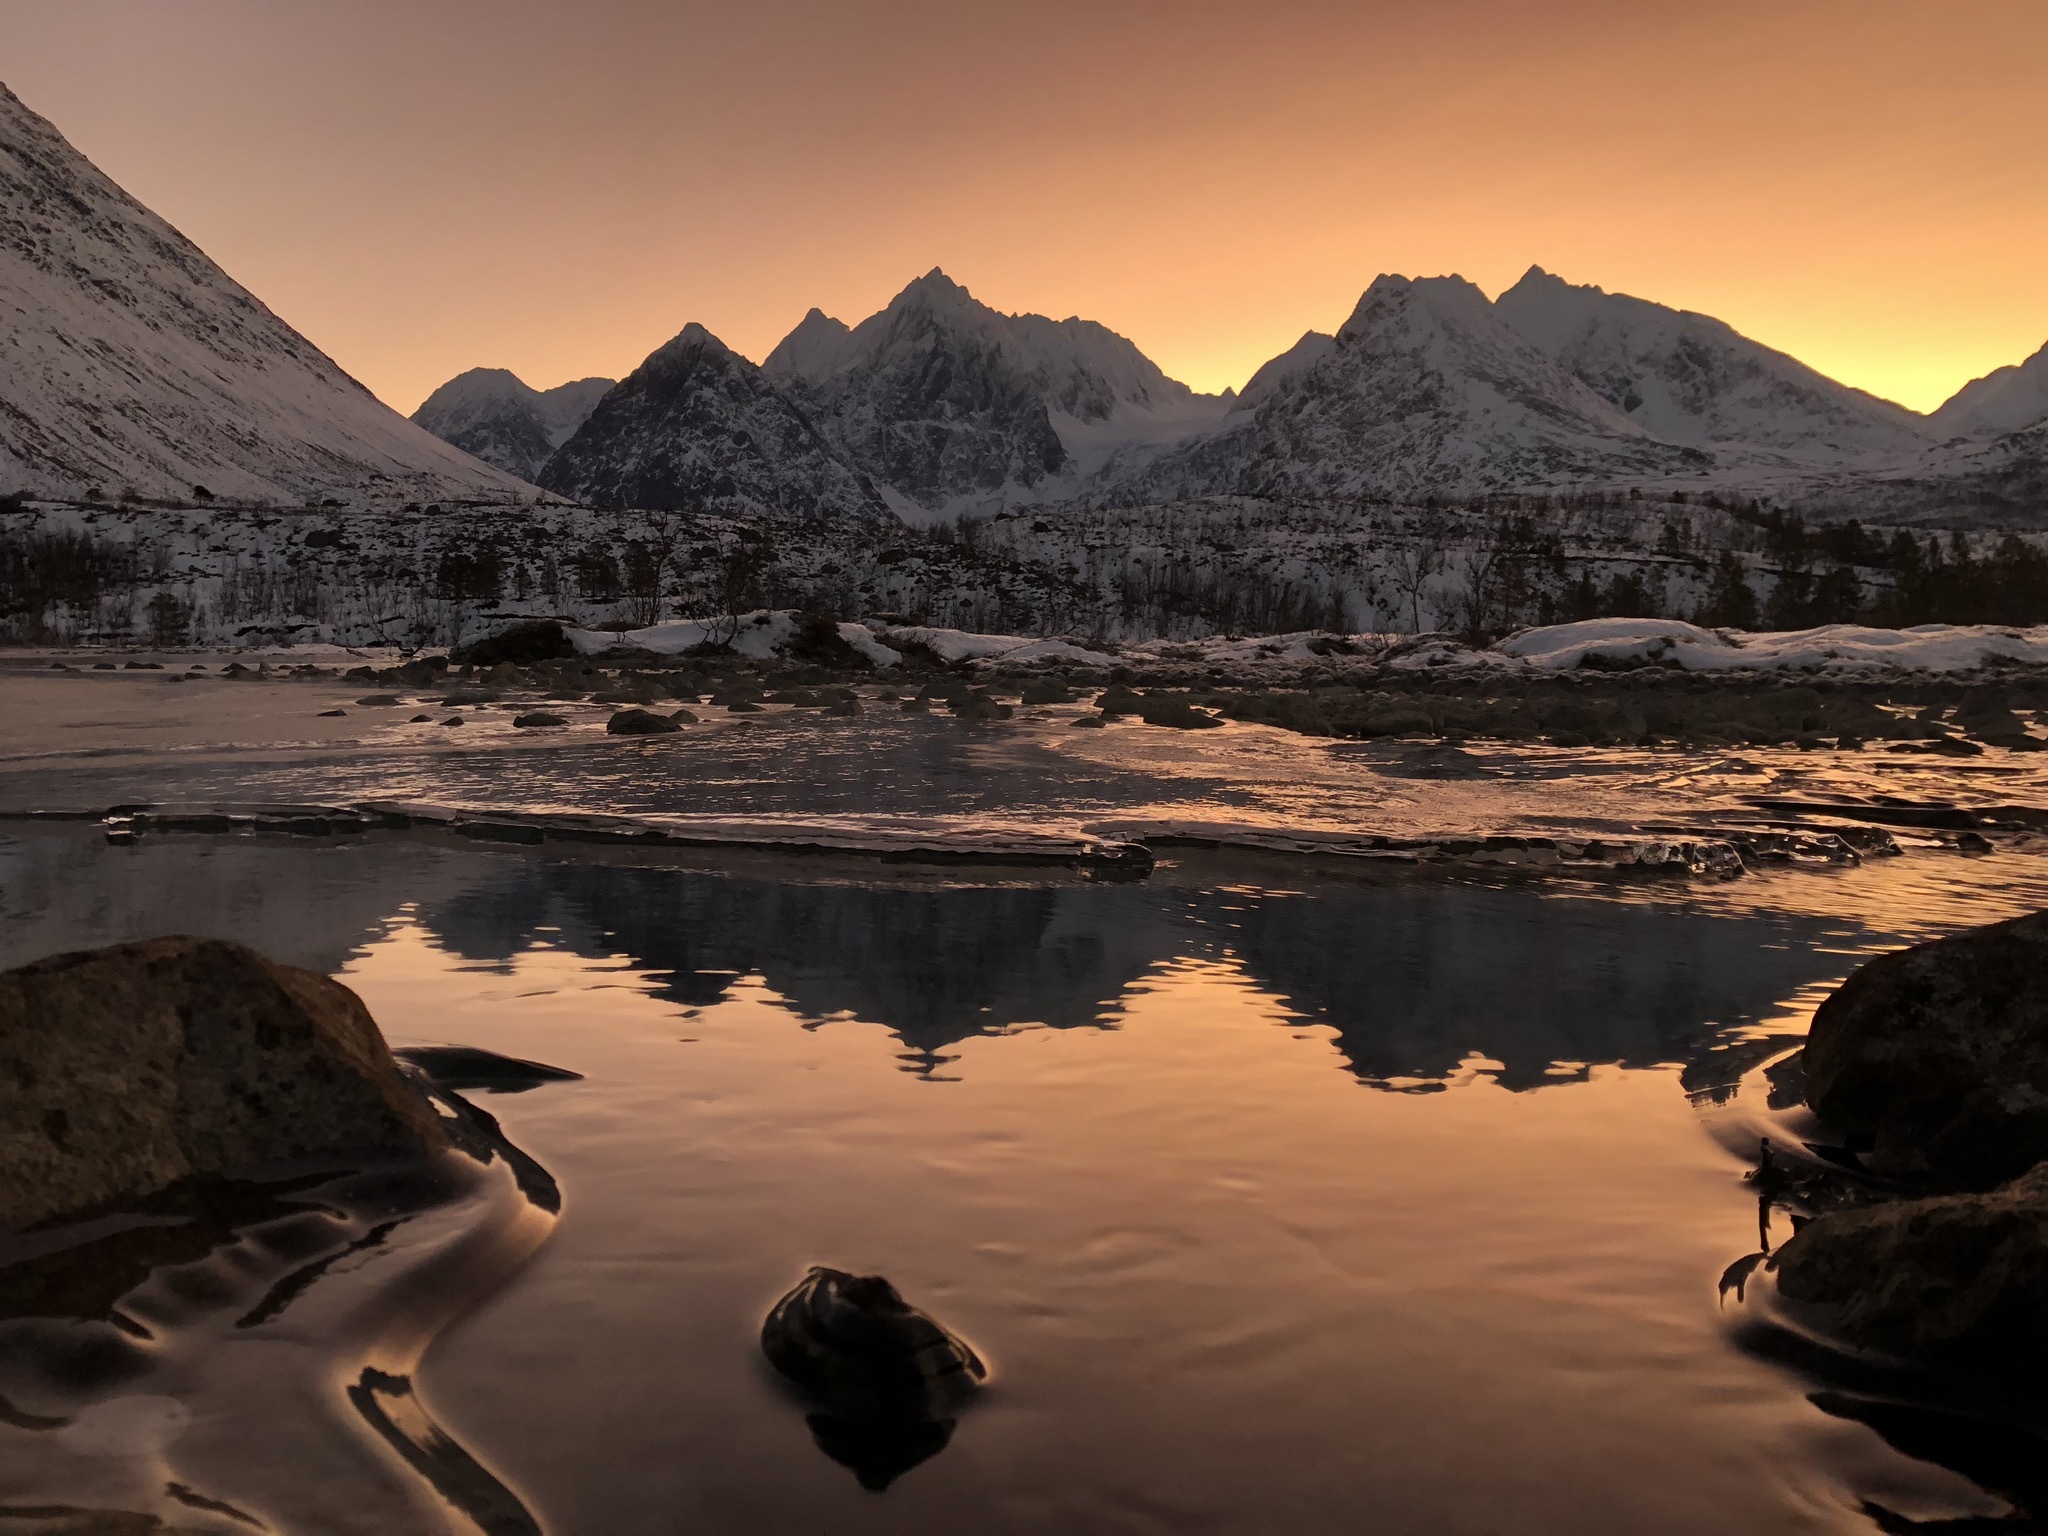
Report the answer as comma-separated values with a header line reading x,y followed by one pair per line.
x,y
130,362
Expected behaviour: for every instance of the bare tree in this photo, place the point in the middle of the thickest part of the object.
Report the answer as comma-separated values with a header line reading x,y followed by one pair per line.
x,y
1416,563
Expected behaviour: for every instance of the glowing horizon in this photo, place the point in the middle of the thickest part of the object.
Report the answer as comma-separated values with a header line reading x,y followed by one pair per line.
x,y
557,191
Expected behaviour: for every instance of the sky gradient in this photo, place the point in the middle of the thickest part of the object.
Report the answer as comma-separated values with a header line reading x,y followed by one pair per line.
x,y
557,189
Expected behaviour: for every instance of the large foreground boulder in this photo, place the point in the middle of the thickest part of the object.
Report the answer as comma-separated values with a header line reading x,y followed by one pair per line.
x,y
1934,1060
126,1070
523,644
1958,1278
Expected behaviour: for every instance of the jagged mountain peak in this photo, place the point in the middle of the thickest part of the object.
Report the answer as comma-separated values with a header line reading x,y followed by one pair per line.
x,y
496,416
128,359
1451,296
816,349
957,406
699,426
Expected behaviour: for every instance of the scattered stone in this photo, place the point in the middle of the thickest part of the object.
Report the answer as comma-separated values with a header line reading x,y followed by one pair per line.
x,y
682,717
640,722
453,720
128,1069
378,700
328,714
1933,1060
888,1376
537,720
420,720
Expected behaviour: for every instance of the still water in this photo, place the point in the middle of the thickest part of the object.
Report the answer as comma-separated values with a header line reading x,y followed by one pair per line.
x,y
1278,1202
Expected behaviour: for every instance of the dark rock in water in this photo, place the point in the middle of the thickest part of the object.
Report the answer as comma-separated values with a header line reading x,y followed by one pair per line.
x,y
537,719
640,722
682,717
1953,1278
1176,712
378,700
1934,1060
538,640
421,720
466,1067
126,1070
327,714
887,1375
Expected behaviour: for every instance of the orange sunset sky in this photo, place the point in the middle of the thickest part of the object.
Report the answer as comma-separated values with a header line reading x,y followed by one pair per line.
x,y
427,186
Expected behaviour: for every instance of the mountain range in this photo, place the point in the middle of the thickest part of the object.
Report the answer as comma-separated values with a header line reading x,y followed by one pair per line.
x,y
131,364
939,405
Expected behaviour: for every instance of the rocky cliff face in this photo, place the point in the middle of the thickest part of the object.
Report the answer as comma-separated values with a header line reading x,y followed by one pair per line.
x,y
129,361
697,426
494,415
931,399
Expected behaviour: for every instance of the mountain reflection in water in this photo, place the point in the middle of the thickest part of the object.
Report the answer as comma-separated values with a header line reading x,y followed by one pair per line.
x,y
1114,1134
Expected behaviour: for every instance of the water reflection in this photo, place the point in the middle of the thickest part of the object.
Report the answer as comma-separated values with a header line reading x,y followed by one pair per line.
x,y
1416,979
1229,1291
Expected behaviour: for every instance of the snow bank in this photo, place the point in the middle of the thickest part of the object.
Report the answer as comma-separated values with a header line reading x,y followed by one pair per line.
x,y
958,645
1832,647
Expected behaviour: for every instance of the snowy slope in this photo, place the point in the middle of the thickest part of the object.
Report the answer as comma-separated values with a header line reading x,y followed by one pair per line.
x,y
129,361
1313,347
954,406
2008,399
495,415
1425,392
698,427
1689,378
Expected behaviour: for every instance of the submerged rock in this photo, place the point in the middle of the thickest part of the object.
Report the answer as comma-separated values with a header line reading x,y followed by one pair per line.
x,y
469,1067
1961,1278
538,719
128,1069
1934,1060
640,722
887,1375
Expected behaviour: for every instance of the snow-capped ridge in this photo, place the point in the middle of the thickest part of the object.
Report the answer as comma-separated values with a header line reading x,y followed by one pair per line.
x,y
1690,379
2008,399
496,416
130,361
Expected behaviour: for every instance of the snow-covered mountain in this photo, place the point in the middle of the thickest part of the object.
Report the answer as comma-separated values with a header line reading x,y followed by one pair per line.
x,y
1424,391
698,427
130,362
1277,372
2009,399
496,416
1689,378
953,406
